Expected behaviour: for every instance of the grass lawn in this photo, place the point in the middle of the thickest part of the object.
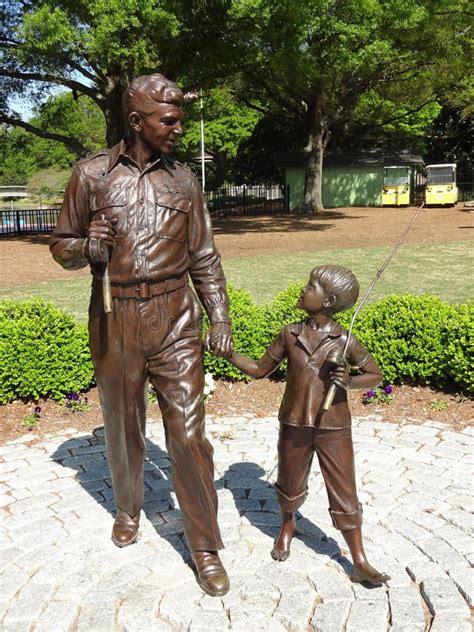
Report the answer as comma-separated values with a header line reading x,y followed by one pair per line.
x,y
442,269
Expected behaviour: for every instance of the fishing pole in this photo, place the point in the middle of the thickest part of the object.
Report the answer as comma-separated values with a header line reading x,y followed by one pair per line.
x,y
339,358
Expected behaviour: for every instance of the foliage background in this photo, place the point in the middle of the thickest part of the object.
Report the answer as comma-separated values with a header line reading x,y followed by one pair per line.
x,y
414,339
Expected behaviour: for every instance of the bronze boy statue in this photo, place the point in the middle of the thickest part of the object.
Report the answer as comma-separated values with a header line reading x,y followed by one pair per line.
x,y
304,426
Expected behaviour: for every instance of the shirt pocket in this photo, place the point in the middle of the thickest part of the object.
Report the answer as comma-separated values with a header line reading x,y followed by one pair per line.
x,y
171,216
111,202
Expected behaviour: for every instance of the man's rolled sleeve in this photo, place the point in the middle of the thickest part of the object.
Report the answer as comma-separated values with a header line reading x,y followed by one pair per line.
x,y
205,269
68,239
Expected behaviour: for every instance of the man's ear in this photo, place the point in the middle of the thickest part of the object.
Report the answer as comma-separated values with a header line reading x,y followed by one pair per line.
x,y
135,121
330,300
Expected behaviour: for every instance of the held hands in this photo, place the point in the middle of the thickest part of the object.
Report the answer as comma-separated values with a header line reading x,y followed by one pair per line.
x,y
340,376
219,339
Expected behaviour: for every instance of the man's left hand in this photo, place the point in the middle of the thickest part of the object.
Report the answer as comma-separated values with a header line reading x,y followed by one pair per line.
x,y
219,339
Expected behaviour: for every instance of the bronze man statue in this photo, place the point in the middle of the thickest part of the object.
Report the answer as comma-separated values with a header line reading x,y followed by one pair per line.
x,y
305,426
138,213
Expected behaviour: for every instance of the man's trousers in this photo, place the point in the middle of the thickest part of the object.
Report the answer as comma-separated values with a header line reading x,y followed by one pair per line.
x,y
157,339
296,448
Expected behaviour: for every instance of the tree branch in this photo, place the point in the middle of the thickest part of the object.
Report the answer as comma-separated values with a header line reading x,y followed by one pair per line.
x,y
400,116
94,94
71,143
258,108
81,69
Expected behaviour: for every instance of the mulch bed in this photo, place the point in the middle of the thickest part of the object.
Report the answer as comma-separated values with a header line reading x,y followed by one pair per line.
x,y
260,398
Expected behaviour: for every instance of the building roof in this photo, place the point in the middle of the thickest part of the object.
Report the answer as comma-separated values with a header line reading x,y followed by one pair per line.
x,y
355,158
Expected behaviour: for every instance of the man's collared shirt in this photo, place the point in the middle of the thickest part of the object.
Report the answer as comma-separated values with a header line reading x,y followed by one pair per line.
x,y
163,228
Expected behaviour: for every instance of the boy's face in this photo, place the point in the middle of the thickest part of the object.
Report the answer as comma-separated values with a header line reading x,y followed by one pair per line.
x,y
312,298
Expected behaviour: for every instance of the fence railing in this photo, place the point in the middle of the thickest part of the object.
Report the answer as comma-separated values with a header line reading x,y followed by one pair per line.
x,y
226,202
465,182
237,201
28,221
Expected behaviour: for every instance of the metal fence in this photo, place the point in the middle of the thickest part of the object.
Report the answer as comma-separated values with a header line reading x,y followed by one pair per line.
x,y
238,201
28,221
465,182
226,202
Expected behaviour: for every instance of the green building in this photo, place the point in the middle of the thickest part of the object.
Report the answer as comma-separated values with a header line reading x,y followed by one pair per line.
x,y
349,178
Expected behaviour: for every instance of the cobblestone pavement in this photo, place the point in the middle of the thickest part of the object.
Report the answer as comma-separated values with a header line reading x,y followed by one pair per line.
x,y
60,571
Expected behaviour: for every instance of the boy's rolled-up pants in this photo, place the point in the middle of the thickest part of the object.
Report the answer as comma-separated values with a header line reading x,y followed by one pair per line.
x,y
157,339
296,448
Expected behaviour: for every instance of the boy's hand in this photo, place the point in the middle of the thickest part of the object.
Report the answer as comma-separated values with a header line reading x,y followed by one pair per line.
x,y
219,340
340,376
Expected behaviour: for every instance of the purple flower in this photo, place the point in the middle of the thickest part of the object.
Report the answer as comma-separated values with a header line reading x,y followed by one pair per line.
x,y
72,396
37,410
370,394
387,389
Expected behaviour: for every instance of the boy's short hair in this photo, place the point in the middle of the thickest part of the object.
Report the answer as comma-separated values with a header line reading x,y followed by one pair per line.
x,y
338,281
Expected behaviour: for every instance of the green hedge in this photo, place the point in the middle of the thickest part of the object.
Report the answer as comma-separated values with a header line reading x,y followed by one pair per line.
x,y
414,339
43,352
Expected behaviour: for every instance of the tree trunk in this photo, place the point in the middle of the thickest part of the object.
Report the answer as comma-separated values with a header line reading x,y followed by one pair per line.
x,y
318,139
220,160
116,125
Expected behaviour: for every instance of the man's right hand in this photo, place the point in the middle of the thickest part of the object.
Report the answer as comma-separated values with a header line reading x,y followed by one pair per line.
x,y
100,240
103,229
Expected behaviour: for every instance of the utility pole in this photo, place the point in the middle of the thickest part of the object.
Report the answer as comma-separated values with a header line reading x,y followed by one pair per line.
x,y
203,166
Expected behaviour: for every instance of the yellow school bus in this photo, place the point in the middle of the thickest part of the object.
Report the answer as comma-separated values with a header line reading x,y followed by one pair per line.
x,y
396,186
441,184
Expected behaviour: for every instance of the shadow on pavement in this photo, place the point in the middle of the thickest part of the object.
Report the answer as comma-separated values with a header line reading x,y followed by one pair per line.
x,y
306,531
94,477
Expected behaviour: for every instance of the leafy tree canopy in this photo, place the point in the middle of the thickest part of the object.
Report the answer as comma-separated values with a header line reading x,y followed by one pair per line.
x,y
23,154
323,63
227,124
95,47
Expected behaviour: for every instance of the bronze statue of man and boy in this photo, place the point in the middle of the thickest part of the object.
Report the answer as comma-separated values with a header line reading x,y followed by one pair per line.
x,y
137,217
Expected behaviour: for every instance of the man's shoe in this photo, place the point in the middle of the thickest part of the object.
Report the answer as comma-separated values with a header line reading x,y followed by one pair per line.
x,y
125,529
211,574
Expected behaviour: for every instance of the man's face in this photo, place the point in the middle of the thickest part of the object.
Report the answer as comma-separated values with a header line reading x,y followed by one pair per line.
x,y
160,130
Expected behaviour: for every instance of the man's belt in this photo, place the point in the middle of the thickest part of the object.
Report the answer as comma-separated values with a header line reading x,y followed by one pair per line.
x,y
145,289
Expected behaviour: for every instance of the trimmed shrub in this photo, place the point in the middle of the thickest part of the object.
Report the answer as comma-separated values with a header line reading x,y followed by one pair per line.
x,y
282,309
43,351
458,340
405,336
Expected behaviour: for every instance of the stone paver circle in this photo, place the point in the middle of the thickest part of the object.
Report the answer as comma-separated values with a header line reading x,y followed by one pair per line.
x,y
59,570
